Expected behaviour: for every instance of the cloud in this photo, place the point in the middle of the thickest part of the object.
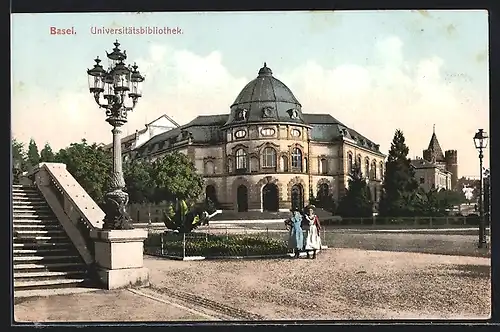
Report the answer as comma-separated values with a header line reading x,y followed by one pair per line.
x,y
393,93
375,99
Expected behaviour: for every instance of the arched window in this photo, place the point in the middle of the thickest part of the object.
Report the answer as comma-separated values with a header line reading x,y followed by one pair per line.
x,y
297,159
350,164
269,158
241,159
381,170
367,168
373,173
284,162
358,162
323,166
209,168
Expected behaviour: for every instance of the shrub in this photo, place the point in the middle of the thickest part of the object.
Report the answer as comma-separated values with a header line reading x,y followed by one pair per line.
x,y
202,244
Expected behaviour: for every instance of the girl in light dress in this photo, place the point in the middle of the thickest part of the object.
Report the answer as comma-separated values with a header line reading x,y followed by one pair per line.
x,y
313,239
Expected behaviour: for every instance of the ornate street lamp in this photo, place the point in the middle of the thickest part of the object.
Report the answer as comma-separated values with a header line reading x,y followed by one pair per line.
x,y
481,141
113,85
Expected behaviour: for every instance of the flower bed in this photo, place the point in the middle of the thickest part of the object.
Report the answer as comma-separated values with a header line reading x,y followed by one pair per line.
x,y
210,245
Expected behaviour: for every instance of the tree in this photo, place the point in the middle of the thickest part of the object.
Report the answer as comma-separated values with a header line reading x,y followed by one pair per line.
x,y
89,165
357,202
175,177
33,155
399,188
138,180
18,160
47,155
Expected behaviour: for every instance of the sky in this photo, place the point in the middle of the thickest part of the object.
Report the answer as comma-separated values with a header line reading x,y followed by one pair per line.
x,y
375,71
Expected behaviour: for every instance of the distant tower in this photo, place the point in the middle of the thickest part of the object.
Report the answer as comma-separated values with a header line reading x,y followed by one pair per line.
x,y
451,160
434,153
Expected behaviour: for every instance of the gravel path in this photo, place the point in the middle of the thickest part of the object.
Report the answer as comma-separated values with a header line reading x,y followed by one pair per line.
x,y
339,284
100,306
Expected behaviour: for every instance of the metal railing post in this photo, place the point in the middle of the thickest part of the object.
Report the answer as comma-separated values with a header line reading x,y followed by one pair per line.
x,y
162,243
183,245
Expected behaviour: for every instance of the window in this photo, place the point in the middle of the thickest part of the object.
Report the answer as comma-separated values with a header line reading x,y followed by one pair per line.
x,y
284,161
358,162
295,132
349,162
323,166
367,167
267,132
209,168
422,180
297,158
269,158
381,170
241,159
373,173
240,134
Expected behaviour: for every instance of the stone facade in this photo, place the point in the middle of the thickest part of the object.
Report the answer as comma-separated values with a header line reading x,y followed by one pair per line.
x,y
267,155
447,162
133,141
431,176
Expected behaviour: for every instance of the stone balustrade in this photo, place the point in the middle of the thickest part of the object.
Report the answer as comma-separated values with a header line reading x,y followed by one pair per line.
x,y
114,257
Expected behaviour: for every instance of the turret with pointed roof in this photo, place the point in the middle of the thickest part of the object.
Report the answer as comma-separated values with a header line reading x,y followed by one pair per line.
x,y
434,153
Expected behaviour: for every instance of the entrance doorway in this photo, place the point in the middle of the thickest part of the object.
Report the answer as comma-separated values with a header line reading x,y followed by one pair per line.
x,y
270,199
242,198
297,197
211,193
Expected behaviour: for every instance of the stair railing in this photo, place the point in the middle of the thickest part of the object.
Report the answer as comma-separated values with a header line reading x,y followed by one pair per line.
x,y
77,212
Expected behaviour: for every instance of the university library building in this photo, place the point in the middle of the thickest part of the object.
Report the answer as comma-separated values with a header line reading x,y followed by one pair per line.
x,y
267,154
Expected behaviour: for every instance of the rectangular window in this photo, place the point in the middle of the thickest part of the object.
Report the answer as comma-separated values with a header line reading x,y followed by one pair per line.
x,y
422,180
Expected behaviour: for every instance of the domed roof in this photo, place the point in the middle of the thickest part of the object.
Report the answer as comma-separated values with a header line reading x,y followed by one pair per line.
x,y
265,99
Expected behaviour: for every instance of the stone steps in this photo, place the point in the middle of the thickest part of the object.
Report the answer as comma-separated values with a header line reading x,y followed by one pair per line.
x,y
47,284
43,255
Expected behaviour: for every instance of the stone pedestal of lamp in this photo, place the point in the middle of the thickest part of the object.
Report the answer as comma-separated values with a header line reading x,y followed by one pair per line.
x,y
119,257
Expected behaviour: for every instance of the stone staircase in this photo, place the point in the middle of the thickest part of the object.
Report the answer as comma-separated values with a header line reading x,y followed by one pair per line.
x,y
43,255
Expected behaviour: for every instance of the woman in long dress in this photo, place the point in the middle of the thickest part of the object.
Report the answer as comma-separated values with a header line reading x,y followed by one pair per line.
x,y
313,239
296,236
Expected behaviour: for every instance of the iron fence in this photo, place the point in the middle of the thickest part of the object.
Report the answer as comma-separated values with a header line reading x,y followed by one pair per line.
x,y
209,242
244,239
471,220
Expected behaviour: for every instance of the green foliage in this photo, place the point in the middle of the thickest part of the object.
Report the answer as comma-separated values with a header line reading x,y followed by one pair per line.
x,y
140,185
47,155
176,178
182,217
19,157
19,162
33,155
357,200
89,165
399,189
210,245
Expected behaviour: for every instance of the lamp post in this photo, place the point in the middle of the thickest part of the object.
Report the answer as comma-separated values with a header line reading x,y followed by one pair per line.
x,y
113,85
481,141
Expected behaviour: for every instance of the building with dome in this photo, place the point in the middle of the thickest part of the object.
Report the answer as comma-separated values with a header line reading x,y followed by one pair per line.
x,y
267,154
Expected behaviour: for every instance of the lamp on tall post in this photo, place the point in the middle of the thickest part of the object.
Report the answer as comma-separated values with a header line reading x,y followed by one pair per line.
x,y
110,89
481,141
